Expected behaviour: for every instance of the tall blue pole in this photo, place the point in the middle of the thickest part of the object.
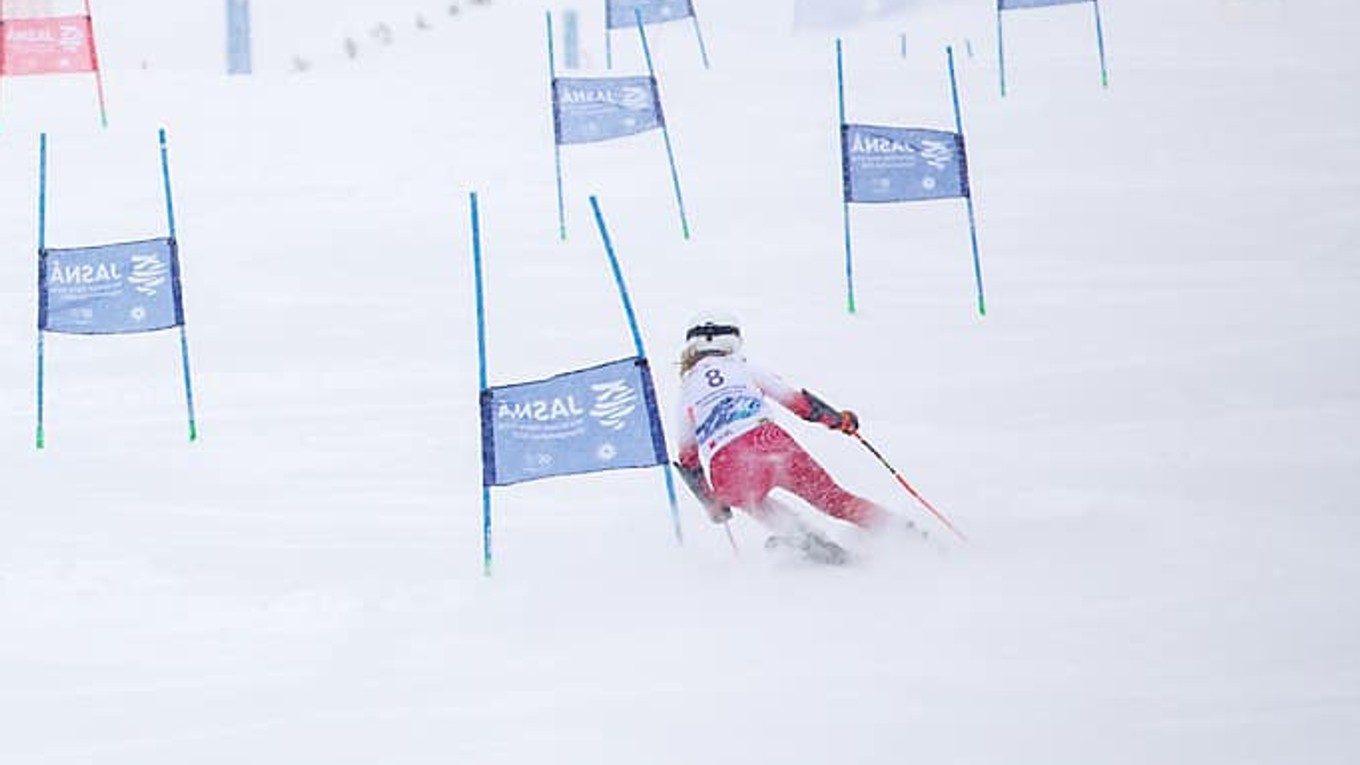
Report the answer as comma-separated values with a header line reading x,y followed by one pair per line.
x,y
481,369
1100,46
665,129
41,436
699,36
845,174
637,345
1000,49
557,147
183,330
972,220
618,276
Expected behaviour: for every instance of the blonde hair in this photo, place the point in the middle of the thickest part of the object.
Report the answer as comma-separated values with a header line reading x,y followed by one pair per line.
x,y
691,356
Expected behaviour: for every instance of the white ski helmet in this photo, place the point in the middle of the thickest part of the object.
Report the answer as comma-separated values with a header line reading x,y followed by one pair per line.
x,y
712,333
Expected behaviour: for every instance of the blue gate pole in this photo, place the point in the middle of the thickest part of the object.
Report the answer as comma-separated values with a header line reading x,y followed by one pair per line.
x,y
481,373
845,179
179,297
1100,46
665,129
699,35
972,221
41,436
556,115
637,345
1000,49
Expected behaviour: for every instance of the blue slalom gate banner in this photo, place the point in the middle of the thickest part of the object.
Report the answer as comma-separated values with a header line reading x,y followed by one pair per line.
x,y
625,14
884,164
587,421
587,110
620,14
893,164
1017,5
111,289
598,109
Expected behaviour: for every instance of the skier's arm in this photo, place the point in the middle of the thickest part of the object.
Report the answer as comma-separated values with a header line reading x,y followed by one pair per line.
x,y
805,404
692,471
818,410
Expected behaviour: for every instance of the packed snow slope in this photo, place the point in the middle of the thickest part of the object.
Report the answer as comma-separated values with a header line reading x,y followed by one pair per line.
x,y
1150,440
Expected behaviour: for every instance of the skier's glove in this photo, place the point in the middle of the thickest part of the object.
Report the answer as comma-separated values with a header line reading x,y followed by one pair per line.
x,y
848,423
696,481
819,411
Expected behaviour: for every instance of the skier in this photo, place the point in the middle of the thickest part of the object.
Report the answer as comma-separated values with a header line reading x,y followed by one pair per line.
x,y
726,422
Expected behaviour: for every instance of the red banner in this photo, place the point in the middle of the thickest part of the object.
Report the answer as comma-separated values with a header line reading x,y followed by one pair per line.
x,y
48,46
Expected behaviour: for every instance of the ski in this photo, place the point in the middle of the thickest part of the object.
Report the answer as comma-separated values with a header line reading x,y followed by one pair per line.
x,y
813,546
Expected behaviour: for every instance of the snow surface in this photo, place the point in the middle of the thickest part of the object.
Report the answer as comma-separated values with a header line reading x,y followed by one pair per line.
x,y
1151,440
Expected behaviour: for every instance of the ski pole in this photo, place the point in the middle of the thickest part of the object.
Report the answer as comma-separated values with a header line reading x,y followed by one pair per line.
x,y
907,486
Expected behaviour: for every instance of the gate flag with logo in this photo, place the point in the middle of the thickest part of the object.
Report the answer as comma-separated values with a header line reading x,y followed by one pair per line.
x,y
893,164
1016,5
901,164
36,39
624,14
588,110
586,421
111,289
596,109
589,420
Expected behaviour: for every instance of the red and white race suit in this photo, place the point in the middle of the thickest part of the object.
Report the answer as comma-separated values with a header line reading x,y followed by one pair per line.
x,y
727,427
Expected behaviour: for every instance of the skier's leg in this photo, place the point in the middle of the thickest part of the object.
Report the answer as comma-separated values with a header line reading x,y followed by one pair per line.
x,y
805,477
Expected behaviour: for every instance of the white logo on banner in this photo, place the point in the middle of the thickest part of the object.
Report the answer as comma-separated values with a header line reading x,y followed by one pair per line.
x,y
632,97
614,401
31,36
635,98
87,273
542,410
937,154
72,38
877,144
148,273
